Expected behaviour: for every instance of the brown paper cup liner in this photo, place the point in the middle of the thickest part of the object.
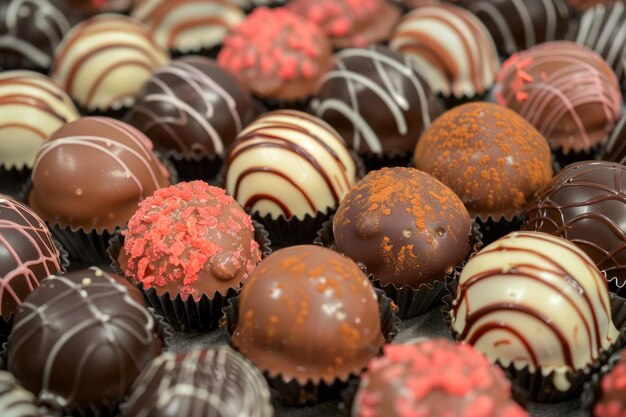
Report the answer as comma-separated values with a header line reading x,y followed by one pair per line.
x,y
189,314
374,162
194,167
292,392
276,104
494,227
13,179
592,390
538,387
411,302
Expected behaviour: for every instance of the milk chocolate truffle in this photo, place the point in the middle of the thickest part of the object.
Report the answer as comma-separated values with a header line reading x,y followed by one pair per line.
x,y
308,313
288,163
92,173
567,91
104,62
489,156
209,382
27,254
15,401
612,401
614,148
586,204
81,339
405,226
190,239
350,23
277,54
32,108
450,47
376,101
193,107
537,300
30,31
434,378
188,25
517,25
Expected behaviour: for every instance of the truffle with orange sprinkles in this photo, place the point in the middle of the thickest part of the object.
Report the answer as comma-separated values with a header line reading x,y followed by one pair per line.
x,y
489,155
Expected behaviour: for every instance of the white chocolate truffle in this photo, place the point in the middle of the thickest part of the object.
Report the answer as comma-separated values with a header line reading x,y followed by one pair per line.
x,y
288,163
104,61
535,299
32,108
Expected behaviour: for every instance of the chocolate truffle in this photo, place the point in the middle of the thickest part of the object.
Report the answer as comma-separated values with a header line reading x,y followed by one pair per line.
x,y
308,313
81,339
450,47
376,101
405,226
188,25
489,156
288,163
15,401
190,239
104,61
349,23
193,107
567,91
32,107
209,382
586,204
92,173
611,402
535,299
27,254
517,25
603,29
277,54
614,148
434,378
30,31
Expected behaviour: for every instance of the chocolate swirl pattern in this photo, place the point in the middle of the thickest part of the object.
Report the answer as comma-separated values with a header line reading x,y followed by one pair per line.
x,y
288,163
32,107
82,338
450,47
204,383
188,25
534,300
27,254
15,401
104,61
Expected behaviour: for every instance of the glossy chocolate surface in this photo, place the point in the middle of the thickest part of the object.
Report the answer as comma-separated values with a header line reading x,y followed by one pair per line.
x,y
586,204
82,338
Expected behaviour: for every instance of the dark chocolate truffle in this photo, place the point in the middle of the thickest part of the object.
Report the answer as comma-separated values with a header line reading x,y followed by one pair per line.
x,y
567,91
308,313
376,101
488,155
611,401
27,254
434,378
614,148
92,173
190,239
586,204
15,401
81,339
405,226
30,31
193,107
209,382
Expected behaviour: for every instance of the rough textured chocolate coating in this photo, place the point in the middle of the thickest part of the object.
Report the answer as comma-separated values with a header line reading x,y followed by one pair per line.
x,y
586,204
615,146
488,155
308,313
376,101
405,226
210,382
92,173
27,254
82,338
192,106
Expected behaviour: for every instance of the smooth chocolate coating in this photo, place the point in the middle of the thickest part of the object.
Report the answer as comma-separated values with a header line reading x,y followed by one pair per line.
x,y
615,146
586,204
210,382
405,226
376,101
27,254
82,338
192,106
92,173
308,313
